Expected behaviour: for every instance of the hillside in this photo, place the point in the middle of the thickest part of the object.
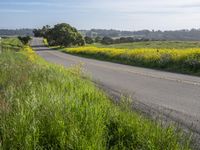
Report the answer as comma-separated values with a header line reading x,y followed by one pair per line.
x,y
193,34
16,32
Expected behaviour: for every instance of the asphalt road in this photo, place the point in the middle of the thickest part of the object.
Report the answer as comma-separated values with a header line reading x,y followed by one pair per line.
x,y
174,95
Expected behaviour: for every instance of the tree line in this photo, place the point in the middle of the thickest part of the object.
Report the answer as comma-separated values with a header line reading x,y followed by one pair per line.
x,y
16,32
192,34
108,40
65,35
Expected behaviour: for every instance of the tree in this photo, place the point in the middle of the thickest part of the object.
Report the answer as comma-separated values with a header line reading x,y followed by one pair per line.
x,y
98,39
64,35
80,40
25,40
37,32
41,32
89,40
107,41
60,35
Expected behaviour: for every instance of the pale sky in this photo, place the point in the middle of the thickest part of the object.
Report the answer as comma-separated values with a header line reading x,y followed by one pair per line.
x,y
104,14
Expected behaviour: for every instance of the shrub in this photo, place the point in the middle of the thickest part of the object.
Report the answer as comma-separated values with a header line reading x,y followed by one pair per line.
x,y
89,40
25,40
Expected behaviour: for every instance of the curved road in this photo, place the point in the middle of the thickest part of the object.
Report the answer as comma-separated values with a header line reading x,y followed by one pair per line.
x,y
172,94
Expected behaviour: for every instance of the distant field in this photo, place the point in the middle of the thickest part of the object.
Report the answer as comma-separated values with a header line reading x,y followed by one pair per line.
x,y
154,44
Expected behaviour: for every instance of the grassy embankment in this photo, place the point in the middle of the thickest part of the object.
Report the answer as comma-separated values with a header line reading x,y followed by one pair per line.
x,y
44,106
11,43
184,60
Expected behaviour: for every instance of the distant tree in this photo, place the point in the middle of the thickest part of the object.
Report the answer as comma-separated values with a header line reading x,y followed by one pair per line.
x,y
45,30
41,32
25,40
89,40
107,41
37,32
98,39
126,40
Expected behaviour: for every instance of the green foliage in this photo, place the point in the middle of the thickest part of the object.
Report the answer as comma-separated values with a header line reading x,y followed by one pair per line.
x,y
89,40
98,39
61,35
43,106
41,32
107,40
25,40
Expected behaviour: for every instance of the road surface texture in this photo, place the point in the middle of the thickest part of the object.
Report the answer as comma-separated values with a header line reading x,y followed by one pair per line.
x,y
176,96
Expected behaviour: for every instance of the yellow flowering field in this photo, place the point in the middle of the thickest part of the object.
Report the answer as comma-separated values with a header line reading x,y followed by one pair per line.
x,y
181,60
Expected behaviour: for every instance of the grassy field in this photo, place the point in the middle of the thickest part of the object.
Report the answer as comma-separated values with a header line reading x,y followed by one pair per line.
x,y
154,44
44,106
176,60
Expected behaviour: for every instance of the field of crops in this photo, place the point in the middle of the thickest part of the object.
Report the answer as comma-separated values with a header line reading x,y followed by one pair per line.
x,y
179,60
44,106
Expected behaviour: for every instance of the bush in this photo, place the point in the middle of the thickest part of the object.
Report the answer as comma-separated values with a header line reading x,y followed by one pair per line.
x,y
25,40
89,40
107,41
98,39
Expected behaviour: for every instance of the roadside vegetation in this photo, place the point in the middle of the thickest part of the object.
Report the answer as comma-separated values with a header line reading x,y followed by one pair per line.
x,y
45,106
10,43
25,39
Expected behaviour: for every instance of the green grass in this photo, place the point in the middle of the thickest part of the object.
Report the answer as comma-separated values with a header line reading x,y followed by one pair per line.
x,y
44,106
154,44
11,44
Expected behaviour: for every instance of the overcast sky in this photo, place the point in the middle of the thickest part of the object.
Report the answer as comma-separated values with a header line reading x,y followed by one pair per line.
x,y
106,14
